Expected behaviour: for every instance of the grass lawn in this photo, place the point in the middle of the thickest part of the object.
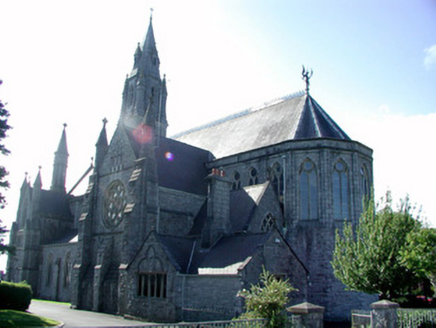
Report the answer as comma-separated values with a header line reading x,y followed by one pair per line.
x,y
47,301
11,318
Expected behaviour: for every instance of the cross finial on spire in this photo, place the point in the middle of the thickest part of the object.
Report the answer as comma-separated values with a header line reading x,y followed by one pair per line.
x,y
151,13
306,75
65,125
105,121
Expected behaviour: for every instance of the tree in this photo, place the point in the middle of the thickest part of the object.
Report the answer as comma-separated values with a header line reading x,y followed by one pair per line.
x,y
367,258
419,253
267,299
4,127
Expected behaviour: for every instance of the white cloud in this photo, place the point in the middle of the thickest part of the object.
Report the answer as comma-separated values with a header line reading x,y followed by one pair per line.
x,y
430,57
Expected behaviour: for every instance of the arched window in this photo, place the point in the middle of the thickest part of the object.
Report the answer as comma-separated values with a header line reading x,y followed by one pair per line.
x,y
364,183
277,180
341,202
308,191
236,181
67,277
267,223
49,276
253,177
152,277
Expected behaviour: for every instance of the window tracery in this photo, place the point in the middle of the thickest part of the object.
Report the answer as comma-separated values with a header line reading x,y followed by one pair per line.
x,y
253,177
277,180
267,223
236,181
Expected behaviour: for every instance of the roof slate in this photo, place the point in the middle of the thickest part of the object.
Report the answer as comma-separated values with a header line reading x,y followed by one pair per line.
x,y
294,118
54,203
179,166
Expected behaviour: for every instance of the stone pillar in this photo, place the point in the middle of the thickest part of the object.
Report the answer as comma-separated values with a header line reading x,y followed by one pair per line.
x,y
312,316
384,314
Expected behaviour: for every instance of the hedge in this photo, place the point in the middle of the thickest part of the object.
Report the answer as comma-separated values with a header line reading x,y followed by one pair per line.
x,y
15,296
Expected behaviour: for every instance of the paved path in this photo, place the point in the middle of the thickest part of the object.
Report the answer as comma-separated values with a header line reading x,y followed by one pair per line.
x,y
79,318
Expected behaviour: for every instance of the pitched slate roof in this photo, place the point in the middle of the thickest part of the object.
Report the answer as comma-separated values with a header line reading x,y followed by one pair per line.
x,y
228,254
182,167
54,203
243,203
179,166
292,118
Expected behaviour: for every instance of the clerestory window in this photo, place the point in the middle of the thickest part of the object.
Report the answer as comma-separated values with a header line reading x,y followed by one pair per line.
x,y
277,180
253,177
236,181
308,191
341,202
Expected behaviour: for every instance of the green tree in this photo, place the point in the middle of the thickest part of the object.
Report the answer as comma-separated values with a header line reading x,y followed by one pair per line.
x,y
367,257
4,127
419,253
267,300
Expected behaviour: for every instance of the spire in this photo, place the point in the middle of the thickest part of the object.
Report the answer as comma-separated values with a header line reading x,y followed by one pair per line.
x,y
25,182
60,164
143,85
101,146
38,183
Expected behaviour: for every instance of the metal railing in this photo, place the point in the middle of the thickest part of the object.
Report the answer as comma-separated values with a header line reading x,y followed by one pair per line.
x,y
414,318
360,319
249,323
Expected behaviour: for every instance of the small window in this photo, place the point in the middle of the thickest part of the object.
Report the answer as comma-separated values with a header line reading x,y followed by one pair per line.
x,y
253,177
236,181
267,223
152,285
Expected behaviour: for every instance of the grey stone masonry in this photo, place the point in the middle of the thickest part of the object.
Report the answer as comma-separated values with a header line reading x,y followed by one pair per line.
x,y
311,315
384,314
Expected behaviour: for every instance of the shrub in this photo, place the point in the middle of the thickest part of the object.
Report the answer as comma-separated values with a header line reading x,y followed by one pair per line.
x,y
15,296
267,300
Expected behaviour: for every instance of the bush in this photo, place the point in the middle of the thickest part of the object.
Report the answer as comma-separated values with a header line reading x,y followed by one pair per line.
x,y
15,296
267,300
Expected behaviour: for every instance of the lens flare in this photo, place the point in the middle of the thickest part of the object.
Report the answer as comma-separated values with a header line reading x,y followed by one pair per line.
x,y
169,156
143,134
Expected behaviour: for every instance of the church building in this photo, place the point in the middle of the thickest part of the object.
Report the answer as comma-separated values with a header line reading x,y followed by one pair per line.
x,y
170,229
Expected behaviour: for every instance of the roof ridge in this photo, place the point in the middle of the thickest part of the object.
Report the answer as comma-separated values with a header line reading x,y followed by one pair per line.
x,y
244,112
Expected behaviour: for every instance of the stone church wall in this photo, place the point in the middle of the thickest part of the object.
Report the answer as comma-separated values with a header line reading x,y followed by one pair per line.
x,y
315,245
209,297
177,211
55,271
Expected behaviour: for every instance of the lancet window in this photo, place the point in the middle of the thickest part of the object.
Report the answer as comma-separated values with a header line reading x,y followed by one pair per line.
x,y
341,202
364,183
308,191
277,180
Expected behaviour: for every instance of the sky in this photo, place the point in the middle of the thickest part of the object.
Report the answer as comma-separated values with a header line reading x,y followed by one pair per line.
x,y
373,62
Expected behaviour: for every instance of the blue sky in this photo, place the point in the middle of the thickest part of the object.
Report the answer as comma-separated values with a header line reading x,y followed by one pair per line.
x,y
374,66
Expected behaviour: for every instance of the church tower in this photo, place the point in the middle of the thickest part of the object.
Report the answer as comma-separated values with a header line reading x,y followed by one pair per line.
x,y
144,89
60,165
